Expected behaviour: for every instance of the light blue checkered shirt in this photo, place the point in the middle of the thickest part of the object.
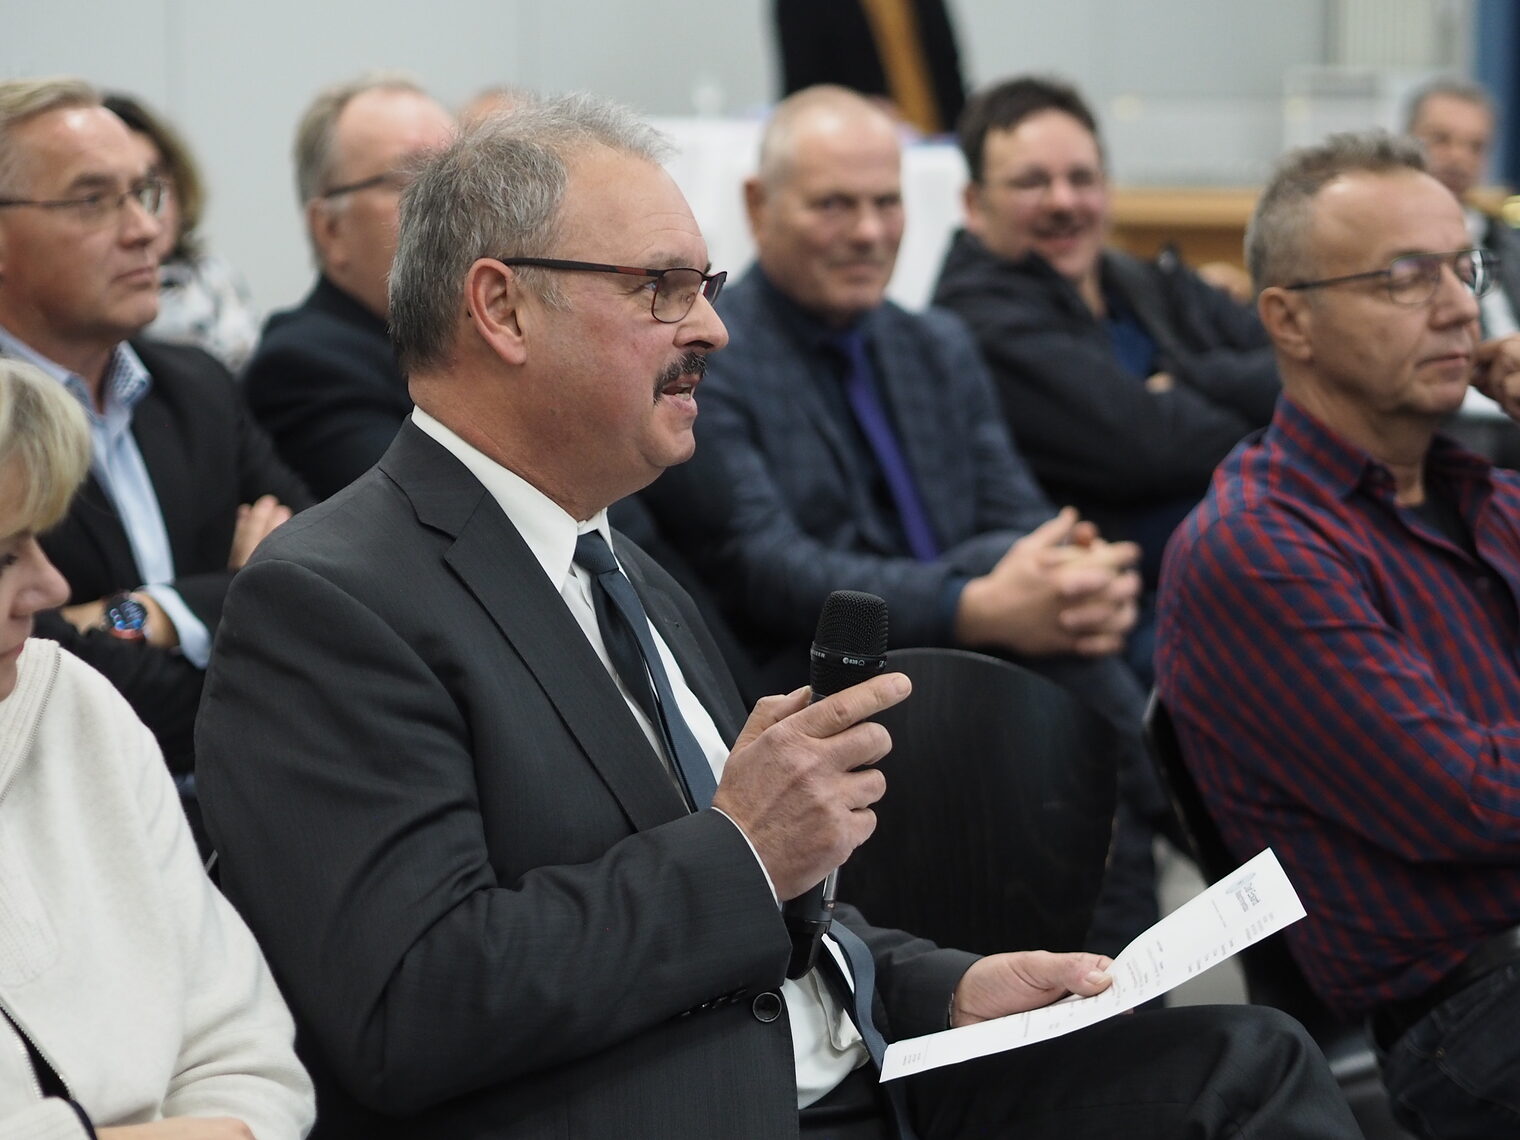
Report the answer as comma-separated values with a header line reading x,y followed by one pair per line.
x,y
118,466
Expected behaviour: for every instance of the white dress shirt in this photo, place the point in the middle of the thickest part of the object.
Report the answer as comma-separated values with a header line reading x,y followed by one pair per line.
x,y
826,1046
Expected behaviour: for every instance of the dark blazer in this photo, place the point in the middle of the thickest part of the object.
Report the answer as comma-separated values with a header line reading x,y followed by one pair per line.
x,y
204,456
779,506
325,385
476,883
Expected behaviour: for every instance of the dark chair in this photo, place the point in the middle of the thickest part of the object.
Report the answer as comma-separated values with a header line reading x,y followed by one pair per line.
x,y
995,827
1272,976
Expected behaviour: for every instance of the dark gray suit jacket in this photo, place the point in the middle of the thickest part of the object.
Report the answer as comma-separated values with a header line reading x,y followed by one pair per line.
x,y
476,883
325,384
779,507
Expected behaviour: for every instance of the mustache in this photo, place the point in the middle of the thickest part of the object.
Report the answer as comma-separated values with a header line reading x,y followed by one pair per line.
x,y
687,364
1057,222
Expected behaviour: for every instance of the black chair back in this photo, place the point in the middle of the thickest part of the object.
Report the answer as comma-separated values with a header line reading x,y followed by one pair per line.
x,y
995,828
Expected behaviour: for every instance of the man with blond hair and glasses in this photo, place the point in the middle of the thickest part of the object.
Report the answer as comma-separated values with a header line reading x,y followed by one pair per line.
x,y
324,380
1363,573
182,484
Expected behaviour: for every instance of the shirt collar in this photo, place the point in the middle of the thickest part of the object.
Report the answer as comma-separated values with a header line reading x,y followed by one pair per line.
x,y
127,379
548,530
1348,468
804,324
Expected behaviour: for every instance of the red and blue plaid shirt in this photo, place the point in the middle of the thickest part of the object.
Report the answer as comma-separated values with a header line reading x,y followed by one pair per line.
x,y
1346,689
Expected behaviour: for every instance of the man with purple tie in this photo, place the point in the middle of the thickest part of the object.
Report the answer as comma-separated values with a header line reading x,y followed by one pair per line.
x,y
845,443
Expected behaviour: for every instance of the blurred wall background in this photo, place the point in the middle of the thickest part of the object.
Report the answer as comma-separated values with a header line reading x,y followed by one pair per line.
x,y
1202,92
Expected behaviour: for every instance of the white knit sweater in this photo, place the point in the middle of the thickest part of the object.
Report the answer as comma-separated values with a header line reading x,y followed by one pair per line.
x,y
118,958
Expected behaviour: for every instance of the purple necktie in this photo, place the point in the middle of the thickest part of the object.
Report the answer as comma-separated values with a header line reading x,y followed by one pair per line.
x,y
864,396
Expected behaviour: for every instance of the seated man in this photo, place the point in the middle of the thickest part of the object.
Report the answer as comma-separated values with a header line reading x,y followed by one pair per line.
x,y
323,380
1454,121
1124,382
492,806
182,484
848,444
1362,573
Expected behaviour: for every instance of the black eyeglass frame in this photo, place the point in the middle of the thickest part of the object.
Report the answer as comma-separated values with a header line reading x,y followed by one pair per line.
x,y
1485,263
711,283
140,192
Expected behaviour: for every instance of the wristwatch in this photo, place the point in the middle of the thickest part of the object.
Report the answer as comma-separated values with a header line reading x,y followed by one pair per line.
x,y
125,618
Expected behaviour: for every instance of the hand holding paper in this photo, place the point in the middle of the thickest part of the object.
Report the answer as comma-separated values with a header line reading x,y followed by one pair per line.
x,y
1242,908
1002,984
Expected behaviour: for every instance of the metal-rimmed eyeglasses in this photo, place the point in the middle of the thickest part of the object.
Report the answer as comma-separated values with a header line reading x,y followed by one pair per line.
x,y
1412,279
101,206
675,292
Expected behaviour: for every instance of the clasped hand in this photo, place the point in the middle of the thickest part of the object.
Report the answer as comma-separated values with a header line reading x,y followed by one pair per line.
x,y
1059,589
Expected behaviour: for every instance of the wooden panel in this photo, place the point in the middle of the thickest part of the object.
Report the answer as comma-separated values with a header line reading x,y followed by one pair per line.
x,y
1205,224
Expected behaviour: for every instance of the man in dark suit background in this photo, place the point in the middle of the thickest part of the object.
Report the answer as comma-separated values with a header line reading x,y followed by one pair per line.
x,y
504,899
182,485
323,380
790,496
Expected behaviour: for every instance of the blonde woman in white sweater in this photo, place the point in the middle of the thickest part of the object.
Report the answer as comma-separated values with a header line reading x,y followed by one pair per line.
x,y
134,1003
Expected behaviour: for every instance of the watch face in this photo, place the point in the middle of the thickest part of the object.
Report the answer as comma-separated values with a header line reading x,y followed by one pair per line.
x,y
126,618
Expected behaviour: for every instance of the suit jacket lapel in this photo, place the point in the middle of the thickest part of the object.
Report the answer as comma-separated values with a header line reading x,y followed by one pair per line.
x,y
168,464
495,565
93,518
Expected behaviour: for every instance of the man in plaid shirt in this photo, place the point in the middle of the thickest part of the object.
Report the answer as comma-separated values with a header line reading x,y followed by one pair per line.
x,y
1338,628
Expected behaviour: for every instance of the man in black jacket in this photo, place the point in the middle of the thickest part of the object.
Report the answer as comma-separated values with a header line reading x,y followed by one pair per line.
x,y
182,484
323,380
1124,382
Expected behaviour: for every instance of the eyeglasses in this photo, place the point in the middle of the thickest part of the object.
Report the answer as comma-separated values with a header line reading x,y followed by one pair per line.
x,y
397,180
1038,183
103,205
675,291
1413,278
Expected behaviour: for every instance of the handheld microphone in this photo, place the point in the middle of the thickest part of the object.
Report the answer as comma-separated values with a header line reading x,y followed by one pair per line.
x,y
849,647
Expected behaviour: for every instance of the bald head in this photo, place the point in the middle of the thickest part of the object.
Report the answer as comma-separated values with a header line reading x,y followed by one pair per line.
x,y
825,207
822,109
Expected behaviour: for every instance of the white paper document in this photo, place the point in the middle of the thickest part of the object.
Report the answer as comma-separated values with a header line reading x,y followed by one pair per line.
x,y
1242,908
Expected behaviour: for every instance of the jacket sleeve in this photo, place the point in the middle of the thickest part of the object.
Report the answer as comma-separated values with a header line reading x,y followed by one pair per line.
x,y
1237,369
237,1055
1009,501
727,510
915,979
352,832
332,420
1086,423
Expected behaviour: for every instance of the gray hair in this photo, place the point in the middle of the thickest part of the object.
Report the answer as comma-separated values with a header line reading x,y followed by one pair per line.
x,y
23,99
44,444
317,132
496,191
1453,88
1278,230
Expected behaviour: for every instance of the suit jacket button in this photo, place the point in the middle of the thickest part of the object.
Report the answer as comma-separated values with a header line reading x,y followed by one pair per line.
x,y
766,1007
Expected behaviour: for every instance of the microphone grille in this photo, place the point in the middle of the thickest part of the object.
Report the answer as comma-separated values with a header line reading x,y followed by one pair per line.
x,y
853,621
